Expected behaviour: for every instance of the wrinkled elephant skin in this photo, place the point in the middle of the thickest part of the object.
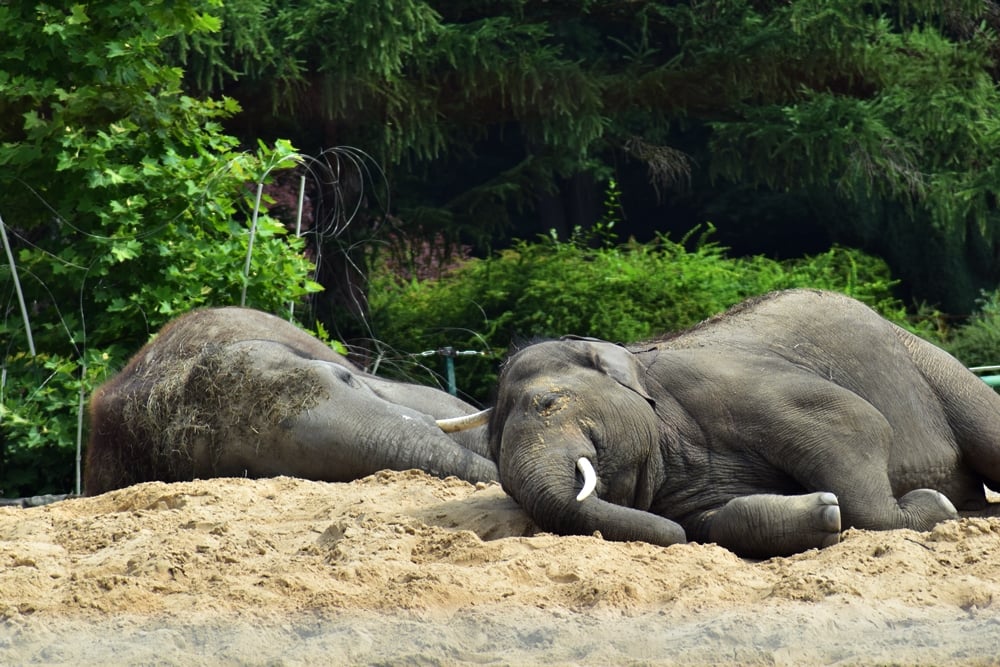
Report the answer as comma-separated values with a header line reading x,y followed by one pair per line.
x,y
766,429
237,392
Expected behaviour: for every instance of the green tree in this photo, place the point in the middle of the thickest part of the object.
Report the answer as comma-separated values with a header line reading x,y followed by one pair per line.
x,y
125,204
880,119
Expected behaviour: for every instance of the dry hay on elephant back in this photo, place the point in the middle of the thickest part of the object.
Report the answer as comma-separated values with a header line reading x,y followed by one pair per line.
x,y
214,394
401,567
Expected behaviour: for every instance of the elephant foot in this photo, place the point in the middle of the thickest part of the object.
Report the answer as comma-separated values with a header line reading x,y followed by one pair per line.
x,y
924,508
765,525
824,511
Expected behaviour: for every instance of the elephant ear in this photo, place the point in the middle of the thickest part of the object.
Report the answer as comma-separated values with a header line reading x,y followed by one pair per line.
x,y
616,362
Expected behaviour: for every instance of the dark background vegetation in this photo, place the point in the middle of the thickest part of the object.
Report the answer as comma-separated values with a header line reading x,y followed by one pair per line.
x,y
476,174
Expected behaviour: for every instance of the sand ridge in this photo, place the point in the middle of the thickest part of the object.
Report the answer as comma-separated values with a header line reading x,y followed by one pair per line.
x,y
404,568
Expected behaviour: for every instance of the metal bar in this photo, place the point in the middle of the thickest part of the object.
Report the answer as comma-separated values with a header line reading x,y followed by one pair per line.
x,y
449,364
17,287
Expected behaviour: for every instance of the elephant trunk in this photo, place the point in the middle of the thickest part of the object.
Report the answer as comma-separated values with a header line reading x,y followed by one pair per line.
x,y
546,486
437,455
360,438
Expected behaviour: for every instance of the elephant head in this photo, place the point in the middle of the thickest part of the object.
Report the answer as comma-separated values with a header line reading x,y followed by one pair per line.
x,y
575,435
238,392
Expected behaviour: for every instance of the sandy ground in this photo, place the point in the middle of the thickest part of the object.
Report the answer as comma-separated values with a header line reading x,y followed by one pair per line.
x,y
401,568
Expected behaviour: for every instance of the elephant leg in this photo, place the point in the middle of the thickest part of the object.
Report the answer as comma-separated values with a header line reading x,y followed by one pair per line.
x,y
971,407
766,525
978,434
839,443
866,501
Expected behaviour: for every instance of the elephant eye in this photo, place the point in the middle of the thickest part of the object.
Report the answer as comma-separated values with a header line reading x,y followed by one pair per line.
x,y
549,402
345,376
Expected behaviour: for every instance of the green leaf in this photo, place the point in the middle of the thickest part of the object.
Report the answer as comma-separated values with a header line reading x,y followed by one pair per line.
x,y
78,15
126,250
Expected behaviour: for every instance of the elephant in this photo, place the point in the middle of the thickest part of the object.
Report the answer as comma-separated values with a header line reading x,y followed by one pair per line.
x,y
239,392
766,430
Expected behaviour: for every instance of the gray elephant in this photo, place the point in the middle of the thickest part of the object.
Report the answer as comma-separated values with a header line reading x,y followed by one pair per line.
x,y
765,429
238,392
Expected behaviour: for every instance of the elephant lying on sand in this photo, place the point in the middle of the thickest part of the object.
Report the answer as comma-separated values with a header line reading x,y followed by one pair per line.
x,y
234,392
764,429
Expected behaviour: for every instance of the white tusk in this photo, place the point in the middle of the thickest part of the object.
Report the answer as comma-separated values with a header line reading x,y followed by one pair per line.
x,y
589,477
465,422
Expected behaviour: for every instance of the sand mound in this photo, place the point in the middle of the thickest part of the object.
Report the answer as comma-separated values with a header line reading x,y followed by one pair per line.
x,y
405,568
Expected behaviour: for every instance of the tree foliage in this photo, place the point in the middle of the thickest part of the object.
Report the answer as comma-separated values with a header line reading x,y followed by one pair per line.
x,y
482,110
125,204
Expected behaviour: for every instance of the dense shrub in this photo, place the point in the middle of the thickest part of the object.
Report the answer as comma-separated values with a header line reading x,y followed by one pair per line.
x,y
622,293
977,342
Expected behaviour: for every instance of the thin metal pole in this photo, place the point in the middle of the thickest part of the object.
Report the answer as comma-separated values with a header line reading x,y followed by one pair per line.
x,y
17,287
79,429
253,233
298,231
450,368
